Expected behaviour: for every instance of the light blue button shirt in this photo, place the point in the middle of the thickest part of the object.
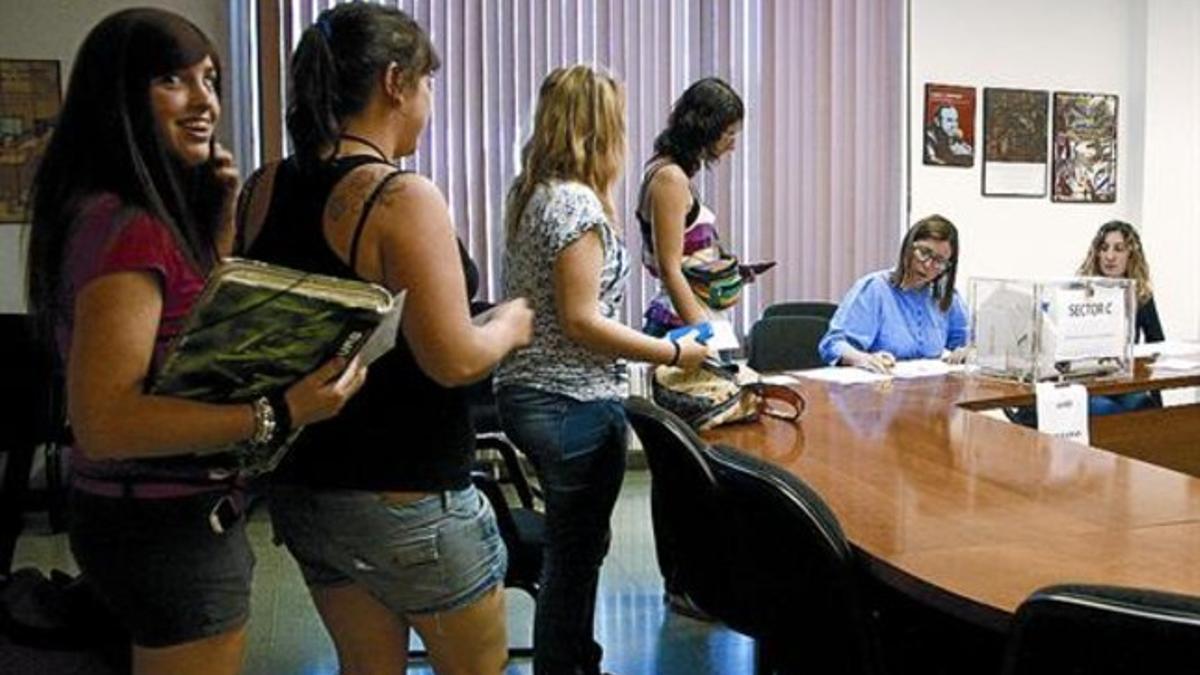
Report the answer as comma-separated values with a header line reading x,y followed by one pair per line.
x,y
877,316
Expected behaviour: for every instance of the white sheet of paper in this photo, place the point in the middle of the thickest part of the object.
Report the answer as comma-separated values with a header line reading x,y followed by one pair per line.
x,y
384,338
840,375
923,368
723,337
1167,348
1014,178
1063,410
1175,364
784,379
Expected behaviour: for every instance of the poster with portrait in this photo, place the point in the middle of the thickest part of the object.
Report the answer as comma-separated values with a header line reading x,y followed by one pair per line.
x,y
949,125
1085,148
29,100
1015,140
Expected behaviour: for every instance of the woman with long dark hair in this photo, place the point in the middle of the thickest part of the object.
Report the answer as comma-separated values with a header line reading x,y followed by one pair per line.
x,y
132,205
377,506
1116,252
701,129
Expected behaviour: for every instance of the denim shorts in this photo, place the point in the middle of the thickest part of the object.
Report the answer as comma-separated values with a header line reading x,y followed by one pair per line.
x,y
160,565
439,553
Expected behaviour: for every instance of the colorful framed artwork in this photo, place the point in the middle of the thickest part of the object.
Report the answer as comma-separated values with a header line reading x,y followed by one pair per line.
x,y
949,125
1085,148
30,97
1015,142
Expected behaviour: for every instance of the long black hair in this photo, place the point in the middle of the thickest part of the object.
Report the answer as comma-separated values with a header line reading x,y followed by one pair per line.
x,y
106,141
703,112
336,65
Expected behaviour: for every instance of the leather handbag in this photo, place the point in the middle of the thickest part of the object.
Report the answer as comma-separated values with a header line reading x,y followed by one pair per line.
x,y
713,395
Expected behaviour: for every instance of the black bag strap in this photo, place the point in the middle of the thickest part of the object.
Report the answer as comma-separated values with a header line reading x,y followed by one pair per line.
x,y
794,401
366,211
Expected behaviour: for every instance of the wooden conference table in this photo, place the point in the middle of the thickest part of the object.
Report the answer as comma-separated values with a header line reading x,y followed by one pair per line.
x,y
972,513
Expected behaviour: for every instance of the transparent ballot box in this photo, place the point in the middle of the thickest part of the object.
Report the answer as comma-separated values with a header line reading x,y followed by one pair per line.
x,y
1053,329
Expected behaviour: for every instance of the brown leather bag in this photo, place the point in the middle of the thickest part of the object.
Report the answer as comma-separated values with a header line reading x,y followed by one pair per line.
x,y
713,395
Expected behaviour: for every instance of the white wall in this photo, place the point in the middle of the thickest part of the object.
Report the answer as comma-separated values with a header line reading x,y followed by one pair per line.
x,y
1145,51
1171,196
54,29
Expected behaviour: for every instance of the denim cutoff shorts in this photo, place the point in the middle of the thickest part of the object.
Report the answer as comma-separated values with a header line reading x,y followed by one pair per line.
x,y
160,565
437,554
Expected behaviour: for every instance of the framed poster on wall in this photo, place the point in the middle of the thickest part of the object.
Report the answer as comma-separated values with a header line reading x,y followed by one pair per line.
x,y
949,125
1015,140
29,100
1085,148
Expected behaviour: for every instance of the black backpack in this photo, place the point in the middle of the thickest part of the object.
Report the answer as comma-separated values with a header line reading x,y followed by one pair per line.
x,y
61,613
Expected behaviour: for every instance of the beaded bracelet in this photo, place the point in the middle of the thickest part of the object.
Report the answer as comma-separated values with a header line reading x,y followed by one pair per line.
x,y
264,421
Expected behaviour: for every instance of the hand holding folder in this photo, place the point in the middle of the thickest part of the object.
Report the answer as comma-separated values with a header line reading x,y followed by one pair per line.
x,y
258,328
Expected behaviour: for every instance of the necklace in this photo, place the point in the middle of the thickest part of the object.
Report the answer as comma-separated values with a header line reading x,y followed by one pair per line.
x,y
367,142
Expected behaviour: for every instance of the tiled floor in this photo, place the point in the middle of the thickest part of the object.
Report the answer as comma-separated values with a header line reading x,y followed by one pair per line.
x,y
286,637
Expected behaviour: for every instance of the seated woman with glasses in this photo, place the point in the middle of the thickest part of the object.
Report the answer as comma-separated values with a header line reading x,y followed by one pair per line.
x,y
908,312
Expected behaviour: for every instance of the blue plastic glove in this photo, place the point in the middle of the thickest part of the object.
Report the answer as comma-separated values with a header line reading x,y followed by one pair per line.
x,y
702,331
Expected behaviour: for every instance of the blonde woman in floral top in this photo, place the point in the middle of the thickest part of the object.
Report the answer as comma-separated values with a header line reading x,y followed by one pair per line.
x,y
560,397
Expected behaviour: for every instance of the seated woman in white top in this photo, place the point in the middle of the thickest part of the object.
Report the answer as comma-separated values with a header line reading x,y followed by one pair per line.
x,y
909,312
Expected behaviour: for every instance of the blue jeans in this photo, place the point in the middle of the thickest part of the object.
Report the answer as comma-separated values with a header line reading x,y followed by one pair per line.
x,y
1119,403
578,450
438,554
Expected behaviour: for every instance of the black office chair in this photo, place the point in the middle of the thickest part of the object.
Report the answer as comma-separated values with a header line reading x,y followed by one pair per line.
x,y
1104,630
812,308
521,523
786,342
755,548
34,419
682,498
792,579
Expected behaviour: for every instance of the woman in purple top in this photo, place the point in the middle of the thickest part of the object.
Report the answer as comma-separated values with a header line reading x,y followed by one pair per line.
x,y
132,206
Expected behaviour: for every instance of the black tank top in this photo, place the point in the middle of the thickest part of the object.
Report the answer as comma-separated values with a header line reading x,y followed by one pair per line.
x,y
402,431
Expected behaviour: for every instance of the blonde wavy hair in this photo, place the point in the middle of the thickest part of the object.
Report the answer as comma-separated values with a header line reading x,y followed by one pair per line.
x,y
1137,269
578,134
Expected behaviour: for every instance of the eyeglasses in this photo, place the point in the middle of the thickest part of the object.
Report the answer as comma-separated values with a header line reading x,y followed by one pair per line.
x,y
926,256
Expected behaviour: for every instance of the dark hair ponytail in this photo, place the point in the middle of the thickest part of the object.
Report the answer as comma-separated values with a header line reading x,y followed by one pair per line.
x,y
311,120
336,65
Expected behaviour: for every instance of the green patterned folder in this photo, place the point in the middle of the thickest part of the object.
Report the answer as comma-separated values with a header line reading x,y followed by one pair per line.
x,y
257,328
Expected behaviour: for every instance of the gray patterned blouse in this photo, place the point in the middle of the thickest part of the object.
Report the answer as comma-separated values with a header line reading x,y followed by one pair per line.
x,y
558,213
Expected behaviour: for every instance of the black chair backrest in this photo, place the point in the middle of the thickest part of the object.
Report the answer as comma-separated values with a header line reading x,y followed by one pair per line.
x,y
1104,630
683,493
791,573
811,308
674,453
38,415
786,342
